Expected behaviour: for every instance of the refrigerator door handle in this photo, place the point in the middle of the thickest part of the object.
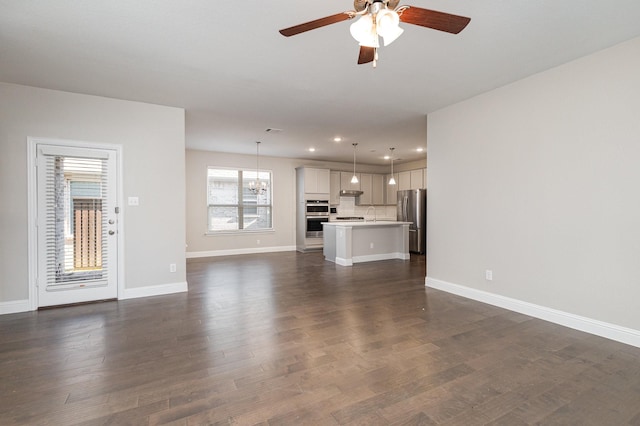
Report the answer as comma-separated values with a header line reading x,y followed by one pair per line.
x,y
405,215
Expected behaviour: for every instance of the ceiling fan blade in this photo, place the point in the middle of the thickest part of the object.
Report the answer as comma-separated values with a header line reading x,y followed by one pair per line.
x,y
433,19
312,25
366,55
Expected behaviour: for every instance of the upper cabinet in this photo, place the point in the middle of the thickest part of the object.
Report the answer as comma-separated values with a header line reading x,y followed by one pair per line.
x,y
345,181
417,180
405,181
334,193
366,185
377,189
392,190
411,179
316,181
372,187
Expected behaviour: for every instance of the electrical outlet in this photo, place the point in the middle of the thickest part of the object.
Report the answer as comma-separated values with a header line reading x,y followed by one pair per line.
x,y
172,267
258,242
370,245
133,201
488,275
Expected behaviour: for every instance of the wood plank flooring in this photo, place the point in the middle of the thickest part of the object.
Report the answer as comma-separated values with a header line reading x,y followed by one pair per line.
x,y
289,339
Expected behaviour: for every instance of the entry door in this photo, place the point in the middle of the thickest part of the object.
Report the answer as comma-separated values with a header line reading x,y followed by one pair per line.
x,y
77,224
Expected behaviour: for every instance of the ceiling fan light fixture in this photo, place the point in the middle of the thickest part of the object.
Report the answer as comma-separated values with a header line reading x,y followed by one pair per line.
x,y
392,35
364,32
387,24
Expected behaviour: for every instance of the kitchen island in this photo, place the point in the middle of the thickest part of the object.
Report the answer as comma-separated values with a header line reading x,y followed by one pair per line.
x,y
346,243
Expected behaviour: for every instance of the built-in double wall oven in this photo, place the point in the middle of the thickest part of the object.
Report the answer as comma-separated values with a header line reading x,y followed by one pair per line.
x,y
317,212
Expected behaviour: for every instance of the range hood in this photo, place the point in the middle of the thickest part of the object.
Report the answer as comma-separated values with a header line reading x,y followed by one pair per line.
x,y
350,193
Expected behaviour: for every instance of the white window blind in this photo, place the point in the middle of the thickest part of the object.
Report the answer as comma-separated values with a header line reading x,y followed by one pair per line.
x,y
75,195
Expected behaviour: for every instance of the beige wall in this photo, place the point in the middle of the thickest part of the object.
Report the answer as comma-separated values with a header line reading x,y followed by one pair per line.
x,y
283,236
539,182
152,140
283,200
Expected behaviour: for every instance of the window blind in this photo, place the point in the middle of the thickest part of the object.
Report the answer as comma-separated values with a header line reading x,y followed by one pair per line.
x,y
75,196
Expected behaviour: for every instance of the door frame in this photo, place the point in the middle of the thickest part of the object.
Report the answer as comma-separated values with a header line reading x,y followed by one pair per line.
x,y
32,209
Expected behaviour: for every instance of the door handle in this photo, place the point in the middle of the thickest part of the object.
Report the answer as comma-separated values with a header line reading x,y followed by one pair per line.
x,y
111,232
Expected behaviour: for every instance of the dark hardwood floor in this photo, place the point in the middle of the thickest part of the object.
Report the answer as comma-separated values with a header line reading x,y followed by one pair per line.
x,y
289,339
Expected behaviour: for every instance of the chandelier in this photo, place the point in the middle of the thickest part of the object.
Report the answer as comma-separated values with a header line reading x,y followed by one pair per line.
x,y
257,187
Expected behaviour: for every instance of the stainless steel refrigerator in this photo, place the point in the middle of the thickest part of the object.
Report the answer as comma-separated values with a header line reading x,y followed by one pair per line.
x,y
412,207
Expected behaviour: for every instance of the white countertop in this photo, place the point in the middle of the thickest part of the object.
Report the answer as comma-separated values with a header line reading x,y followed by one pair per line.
x,y
366,223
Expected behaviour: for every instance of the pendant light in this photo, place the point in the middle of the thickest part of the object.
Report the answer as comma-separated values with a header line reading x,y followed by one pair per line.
x,y
354,179
257,187
392,181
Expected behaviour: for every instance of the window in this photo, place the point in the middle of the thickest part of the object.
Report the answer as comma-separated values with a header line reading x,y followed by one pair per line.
x,y
232,206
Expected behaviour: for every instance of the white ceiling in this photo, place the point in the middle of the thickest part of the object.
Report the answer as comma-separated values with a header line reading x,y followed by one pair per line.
x,y
236,76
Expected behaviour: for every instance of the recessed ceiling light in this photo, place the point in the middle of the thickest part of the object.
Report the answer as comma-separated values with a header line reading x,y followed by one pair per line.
x,y
386,157
420,149
337,139
312,150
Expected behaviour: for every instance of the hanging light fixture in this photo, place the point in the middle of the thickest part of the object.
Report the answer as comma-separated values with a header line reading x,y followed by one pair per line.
x,y
392,181
354,179
377,21
257,187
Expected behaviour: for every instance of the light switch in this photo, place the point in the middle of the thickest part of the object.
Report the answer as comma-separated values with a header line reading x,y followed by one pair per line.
x,y
133,201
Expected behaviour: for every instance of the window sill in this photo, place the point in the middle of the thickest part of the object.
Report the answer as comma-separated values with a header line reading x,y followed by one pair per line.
x,y
239,232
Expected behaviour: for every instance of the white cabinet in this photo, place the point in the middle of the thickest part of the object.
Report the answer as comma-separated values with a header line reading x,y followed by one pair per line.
x,y
377,189
405,181
416,179
323,181
366,186
316,181
392,190
345,181
334,187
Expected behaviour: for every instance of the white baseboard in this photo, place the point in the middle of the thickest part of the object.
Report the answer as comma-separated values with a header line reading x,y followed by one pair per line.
x,y
154,290
343,262
577,322
14,307
232,252
380,256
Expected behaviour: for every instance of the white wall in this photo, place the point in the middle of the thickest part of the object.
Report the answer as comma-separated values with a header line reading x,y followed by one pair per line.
x,y
539,181
152,138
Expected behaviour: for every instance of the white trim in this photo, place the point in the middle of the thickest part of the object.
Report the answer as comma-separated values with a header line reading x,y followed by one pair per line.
x,y
232,252
343,262
15,306
154,290
32,224
380,256
32,203
577,322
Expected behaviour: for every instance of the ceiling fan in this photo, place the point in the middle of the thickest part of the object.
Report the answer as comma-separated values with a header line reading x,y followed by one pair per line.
x,y
380,18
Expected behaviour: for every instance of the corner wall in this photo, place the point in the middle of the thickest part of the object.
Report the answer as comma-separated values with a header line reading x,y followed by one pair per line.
x,y
538,181
152,140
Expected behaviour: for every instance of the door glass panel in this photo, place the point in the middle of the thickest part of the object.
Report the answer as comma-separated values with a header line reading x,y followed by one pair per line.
x,y
75,234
